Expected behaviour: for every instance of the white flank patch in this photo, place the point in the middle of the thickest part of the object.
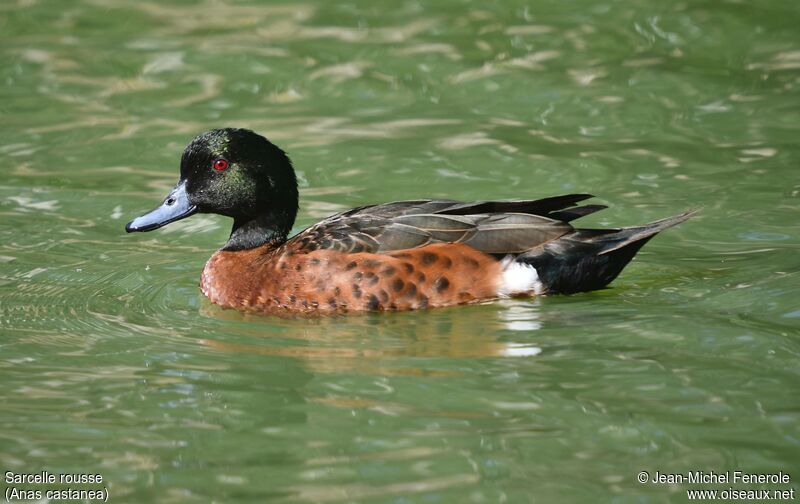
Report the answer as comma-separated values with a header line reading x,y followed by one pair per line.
x,y
518,278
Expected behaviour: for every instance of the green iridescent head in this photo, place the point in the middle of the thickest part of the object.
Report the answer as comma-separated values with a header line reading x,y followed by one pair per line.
x,y
238,173
232,172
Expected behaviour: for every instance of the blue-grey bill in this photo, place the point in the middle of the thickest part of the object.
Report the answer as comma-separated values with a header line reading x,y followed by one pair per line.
x,y
177,206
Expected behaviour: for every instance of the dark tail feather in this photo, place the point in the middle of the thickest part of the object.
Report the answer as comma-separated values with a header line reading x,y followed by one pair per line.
x,y
589,259
570,214
541,207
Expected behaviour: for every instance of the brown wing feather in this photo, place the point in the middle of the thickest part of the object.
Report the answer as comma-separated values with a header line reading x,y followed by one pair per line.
x,y
493,227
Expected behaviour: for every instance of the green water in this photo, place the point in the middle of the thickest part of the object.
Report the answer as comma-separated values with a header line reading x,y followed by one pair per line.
x,y
112,362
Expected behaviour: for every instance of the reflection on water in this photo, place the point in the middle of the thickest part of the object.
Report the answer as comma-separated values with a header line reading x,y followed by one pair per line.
x,y
379,343
112,362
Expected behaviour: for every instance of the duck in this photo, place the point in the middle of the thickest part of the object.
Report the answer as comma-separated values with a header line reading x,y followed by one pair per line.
x,y
402,255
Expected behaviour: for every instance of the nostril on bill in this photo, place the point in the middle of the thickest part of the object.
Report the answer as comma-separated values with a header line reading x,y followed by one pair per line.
x,y
170,201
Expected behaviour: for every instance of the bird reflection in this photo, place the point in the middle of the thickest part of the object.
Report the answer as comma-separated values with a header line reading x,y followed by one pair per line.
x,y
382,343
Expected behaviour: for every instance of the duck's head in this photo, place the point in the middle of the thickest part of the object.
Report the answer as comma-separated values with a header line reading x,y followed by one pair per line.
x,y
237,173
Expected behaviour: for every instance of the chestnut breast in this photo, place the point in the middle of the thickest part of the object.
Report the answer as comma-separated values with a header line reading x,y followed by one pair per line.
x,y
279,279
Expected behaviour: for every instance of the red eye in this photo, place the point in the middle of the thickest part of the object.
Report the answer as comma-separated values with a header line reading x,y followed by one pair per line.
x,y
220,164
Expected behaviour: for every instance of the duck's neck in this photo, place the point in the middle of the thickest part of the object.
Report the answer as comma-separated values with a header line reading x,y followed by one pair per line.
x,y
271,228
